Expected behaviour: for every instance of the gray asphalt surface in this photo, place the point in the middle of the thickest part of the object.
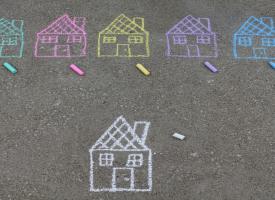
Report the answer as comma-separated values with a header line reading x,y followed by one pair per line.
x,y
50,117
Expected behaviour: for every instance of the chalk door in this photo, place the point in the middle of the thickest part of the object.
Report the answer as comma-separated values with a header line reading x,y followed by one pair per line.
x,y
123,179
259,52
123,50
193,51
62,50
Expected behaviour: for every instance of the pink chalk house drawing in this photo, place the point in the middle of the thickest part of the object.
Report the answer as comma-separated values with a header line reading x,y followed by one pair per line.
x,y
192,37
65,37
120,159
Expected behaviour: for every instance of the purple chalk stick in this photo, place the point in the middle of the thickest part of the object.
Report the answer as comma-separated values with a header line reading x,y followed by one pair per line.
x,y
211,67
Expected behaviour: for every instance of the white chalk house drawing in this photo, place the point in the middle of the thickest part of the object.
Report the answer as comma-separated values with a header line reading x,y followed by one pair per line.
x,y
120,160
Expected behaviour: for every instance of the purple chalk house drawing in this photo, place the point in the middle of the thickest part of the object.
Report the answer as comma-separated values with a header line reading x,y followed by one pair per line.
x,y
192,37
65,37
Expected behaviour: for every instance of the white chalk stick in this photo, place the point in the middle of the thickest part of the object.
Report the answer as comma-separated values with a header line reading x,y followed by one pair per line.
x,y
178,136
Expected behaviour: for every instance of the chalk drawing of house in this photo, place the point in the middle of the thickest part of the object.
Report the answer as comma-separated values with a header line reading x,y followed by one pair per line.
x,y
65,37
124,37
192,37
120,160
255,39
11,38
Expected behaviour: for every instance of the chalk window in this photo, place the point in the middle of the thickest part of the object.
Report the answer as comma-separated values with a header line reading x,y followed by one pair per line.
x,y
268,42
5,41
203,39
245,41
107,39
74,39
135,39
106,159
49,39
135,160
13,40
180,39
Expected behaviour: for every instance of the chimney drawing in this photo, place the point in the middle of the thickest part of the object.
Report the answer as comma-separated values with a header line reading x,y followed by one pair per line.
x,y
141,129
79,21
139,21
205,22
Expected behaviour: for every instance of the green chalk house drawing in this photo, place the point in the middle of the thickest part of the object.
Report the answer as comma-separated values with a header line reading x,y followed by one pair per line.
x,y
11,38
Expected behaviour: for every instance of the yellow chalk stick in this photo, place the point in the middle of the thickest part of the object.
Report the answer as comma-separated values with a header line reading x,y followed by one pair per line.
x,y
143,69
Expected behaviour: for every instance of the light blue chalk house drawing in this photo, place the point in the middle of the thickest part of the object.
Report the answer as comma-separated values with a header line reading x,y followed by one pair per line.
x,y
11,38
255,39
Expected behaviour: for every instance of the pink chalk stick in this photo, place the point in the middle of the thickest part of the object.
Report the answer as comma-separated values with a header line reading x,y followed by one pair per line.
x,y
77,70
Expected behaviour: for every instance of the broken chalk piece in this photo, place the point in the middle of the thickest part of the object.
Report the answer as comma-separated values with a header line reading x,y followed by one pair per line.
x,y
77,70
143,69
9,67
178,136
272,64
211,67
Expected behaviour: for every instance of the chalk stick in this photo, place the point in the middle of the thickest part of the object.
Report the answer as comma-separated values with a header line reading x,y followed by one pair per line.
x,y
77,70
143,69
178,136
272,64
10,67
211,67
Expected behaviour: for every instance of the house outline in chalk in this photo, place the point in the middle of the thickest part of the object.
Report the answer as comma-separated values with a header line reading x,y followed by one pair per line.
x,y
192,37
120,160
124,37
64,37
255,39
11,38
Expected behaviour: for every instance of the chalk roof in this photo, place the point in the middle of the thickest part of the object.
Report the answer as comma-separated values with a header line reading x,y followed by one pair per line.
x,y
63,25
8,28
120,136
256,26
190,25
123,24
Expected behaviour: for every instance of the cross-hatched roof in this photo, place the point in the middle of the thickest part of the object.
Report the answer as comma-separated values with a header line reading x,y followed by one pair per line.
x,y
189,25
7,28
119,136
123,24
255,26
63,25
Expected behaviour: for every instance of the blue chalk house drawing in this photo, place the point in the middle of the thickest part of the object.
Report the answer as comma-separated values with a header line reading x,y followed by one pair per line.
x,y
255,39
11,38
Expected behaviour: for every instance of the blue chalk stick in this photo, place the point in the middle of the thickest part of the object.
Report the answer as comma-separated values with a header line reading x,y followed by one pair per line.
x,y
272,64
9,67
